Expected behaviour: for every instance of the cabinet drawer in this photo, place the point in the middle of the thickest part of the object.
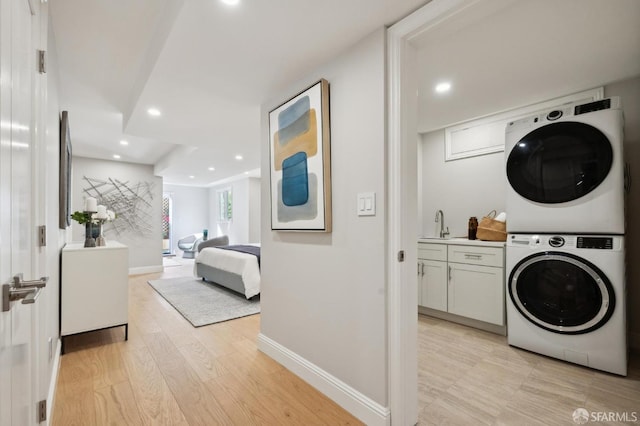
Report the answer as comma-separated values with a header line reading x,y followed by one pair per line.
x,y
485,256
432,251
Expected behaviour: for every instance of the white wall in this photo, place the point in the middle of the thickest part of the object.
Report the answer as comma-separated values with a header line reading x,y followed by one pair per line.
x,y
254,210
189,213
145,252
629,91
245,224
323,294
462,188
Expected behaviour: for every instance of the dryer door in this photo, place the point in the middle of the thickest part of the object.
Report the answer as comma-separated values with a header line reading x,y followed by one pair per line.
x,y
559,162
561,292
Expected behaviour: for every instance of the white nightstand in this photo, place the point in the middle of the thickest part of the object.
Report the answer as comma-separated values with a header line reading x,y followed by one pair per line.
x,y
94,289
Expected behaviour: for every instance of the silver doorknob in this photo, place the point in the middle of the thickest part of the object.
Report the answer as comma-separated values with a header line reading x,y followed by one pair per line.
x,y
10,294
18,282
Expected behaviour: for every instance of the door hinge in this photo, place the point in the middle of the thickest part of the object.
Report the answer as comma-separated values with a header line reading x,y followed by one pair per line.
x,y
42,235
42,61
401,256
42,410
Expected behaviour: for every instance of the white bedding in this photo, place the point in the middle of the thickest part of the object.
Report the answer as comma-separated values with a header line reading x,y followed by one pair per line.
x,y
243,264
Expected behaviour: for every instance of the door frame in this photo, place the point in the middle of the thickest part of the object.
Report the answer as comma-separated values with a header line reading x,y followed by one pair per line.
x,y
402,135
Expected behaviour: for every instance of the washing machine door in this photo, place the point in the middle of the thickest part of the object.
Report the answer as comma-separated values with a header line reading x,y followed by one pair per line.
x,y
561,292
559,162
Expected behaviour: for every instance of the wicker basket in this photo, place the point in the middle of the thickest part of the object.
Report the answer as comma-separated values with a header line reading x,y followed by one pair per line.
x,y
490,229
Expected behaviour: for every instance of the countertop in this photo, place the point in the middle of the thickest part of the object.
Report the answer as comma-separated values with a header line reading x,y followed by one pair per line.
x,y
461,241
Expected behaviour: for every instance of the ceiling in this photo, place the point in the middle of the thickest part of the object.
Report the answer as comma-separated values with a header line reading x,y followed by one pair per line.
x,y
504,54
205,65
208,67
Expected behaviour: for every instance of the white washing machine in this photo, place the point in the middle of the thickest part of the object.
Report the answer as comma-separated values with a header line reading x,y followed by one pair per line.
x,y
566,298
565,170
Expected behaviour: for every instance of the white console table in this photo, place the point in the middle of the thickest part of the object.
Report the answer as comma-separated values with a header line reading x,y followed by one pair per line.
x,y
94,289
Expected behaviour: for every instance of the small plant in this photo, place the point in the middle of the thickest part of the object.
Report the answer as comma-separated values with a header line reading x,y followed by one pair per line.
x,y
81,217
85,217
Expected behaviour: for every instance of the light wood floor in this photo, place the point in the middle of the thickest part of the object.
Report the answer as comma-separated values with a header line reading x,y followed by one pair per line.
x,y
170,373
470,377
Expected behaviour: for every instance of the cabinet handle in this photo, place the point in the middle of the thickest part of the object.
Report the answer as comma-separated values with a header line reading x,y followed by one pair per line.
x,y
473,256
449,273
419,263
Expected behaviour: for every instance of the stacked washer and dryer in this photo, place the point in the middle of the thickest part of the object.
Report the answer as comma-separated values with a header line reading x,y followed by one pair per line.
x,y
565,262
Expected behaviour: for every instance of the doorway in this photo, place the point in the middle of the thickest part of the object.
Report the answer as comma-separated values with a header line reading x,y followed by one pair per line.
x,y
403,46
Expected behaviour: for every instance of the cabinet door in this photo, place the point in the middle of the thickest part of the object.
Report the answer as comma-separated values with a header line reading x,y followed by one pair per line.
x,y
433,284
476,292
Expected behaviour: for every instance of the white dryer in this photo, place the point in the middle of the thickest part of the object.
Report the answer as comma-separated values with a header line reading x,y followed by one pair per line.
x,y
566,298
565,170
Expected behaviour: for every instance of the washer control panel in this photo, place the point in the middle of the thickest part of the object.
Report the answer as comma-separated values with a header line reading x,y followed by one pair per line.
x,y
556,241
602,243
566,241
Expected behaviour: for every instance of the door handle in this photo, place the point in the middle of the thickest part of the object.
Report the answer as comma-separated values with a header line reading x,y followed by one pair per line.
x,y
19,282
10,294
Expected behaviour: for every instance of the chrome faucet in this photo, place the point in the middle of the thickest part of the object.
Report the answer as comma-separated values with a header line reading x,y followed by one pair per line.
x,y
440,218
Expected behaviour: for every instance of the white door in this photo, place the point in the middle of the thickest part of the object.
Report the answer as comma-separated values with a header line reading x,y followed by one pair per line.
x,y
17,70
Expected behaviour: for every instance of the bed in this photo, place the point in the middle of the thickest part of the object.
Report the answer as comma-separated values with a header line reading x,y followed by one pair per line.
x,y
234,267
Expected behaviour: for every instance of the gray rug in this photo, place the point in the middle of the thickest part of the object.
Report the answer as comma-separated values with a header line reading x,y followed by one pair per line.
x,y
202,303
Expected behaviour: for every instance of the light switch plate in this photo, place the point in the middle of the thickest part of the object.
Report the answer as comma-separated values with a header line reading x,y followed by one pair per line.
x,y
366,204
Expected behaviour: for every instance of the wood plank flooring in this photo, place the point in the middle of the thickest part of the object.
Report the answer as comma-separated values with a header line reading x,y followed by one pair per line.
x,y
471,377
170,373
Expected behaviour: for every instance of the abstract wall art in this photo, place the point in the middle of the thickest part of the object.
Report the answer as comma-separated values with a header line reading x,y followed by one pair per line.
x,y
300,162
131,203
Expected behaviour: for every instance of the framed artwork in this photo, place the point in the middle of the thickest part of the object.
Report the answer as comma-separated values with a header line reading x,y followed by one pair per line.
x,y
64,200
300,162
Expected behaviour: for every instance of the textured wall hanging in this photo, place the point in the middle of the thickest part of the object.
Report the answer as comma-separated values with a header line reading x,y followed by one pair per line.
x,y
132,203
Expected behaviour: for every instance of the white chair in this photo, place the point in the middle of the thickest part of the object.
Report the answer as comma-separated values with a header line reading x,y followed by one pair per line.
x,y
189,245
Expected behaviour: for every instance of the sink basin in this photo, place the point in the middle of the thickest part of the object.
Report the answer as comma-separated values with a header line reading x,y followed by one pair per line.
x,y
434,238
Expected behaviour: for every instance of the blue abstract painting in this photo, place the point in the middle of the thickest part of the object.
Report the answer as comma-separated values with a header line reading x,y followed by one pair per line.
x,y
300,162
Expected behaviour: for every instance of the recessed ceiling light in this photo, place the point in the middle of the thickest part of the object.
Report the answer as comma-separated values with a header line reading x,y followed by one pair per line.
x,y
238,157
443,87
192,177
211,169
124,143
116,156
154,112
246,173
231,2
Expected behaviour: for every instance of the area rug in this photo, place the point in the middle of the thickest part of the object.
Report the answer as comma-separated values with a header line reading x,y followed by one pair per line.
x,y
202,303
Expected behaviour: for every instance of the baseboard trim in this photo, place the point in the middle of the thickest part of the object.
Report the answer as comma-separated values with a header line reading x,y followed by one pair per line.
x,y
53,381
146,269
359,405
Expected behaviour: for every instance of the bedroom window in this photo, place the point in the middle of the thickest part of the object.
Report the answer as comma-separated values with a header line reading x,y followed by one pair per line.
x,y
225,205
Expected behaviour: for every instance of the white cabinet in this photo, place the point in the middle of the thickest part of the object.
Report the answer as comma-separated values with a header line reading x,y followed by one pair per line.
x,y
463,280
432,276
94,289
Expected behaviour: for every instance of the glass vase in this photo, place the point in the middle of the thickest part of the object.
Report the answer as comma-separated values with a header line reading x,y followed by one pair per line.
x,y
89,241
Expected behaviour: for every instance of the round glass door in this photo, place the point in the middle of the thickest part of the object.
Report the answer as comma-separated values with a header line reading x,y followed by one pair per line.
x,y
561,292
559,162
